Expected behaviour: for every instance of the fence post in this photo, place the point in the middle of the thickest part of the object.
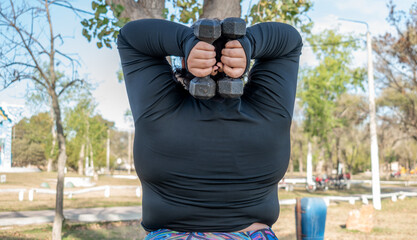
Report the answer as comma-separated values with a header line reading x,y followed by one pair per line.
x,y
21,193
30,195
107,192
365,200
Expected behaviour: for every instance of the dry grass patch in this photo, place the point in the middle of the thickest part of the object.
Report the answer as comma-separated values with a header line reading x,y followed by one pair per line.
x,y
77,231
118,197
396,220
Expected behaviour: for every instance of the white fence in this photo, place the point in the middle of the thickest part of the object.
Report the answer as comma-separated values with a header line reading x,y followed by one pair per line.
x,y
303,180
21,192
106,190
405,183
352,199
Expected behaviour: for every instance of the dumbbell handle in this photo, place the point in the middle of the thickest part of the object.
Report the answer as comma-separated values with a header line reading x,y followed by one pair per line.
x,y
208,31
232,29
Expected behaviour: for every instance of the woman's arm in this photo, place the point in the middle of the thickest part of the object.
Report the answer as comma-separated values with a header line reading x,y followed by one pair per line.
x,y
276,48
143,46
157,38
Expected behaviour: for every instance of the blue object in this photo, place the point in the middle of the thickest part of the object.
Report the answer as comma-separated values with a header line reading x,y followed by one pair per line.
x,y
310,218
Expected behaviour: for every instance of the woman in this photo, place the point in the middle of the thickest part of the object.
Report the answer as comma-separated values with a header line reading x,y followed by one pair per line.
x,y
209,168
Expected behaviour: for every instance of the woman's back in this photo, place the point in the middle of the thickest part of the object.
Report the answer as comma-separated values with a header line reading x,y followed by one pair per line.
x,y
209,165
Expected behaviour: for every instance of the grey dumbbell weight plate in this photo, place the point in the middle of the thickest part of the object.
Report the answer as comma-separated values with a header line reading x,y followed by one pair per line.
x,y
207,30
203,88
230,87
233,28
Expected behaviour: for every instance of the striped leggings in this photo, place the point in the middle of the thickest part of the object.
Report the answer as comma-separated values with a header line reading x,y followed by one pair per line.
x,y
263,234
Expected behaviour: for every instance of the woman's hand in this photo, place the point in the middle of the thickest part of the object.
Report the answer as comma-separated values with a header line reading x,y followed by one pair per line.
x,y
233,59
202,59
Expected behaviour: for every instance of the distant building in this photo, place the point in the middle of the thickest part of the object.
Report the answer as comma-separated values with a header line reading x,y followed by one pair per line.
x,y
9,115
6,124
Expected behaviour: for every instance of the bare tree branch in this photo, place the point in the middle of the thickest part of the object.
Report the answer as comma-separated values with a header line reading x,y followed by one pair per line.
x,y
66,86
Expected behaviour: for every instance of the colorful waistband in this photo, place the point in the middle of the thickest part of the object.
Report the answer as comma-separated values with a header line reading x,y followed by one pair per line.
x,y
263,234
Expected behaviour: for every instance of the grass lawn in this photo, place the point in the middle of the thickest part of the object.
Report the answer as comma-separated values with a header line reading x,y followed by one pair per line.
x,y
107,230
118,197
396,220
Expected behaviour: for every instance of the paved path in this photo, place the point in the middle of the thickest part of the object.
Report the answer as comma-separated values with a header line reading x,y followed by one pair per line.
x,y
78,215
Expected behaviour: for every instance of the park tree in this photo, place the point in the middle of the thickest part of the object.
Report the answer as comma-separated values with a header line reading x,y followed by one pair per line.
x,y
395,145
87,133
32,140
298,146
298,138
38,99
321,86
35,97
287,11
111,15
119,145
396,71
348,137
28,41
77,128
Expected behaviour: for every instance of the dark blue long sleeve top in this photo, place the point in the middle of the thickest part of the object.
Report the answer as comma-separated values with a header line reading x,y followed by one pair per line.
x,y
209,165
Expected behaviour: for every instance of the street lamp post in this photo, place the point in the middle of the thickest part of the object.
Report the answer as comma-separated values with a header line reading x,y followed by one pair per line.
x,y
376,188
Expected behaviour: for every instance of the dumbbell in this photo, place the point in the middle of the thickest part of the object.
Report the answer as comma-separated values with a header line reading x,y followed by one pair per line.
x,y
232,28
207,30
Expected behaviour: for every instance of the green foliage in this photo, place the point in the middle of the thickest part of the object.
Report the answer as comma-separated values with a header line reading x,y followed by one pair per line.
x,y
120,76
84,127
190,10
321,86
396,69
119,145
103,26
39,97
32,140
293,12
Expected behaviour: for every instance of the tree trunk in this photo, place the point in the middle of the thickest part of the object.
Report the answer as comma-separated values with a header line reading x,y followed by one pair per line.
x,y
309,163
319,167
338,153
108,152
87,158
49,166
129,152
62,158
291,165
81,160
53,131
221,9
92,158
329,162
300,159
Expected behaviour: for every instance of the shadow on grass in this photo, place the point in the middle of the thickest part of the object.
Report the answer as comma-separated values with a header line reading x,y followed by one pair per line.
x,y
14,237
104,230
76,230
25,232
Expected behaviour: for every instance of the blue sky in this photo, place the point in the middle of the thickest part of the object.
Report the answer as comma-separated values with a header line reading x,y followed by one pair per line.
x,y
99,66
